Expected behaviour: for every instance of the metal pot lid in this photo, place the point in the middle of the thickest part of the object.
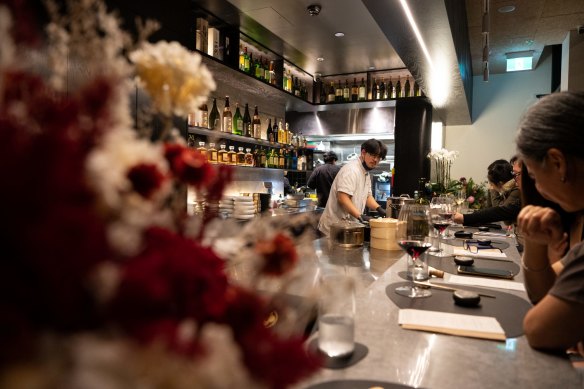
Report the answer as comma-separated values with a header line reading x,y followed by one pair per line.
x,y
347,224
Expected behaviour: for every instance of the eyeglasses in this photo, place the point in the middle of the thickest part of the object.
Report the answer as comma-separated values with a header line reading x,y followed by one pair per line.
x,y
473,246
516,174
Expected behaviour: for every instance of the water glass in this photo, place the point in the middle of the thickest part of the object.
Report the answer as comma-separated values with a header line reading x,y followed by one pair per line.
x,y
336,316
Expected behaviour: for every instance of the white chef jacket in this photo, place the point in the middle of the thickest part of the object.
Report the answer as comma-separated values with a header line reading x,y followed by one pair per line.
x,y
353,180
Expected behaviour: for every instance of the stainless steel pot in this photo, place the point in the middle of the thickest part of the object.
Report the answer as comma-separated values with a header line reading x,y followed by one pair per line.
x,y
346,233
394,205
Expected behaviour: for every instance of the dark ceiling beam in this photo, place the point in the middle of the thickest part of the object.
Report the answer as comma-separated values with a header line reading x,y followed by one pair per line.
x,y
441,80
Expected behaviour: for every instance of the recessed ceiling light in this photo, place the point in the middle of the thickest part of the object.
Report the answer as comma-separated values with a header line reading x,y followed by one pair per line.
x,y
506,9
371,67
339,34
320,59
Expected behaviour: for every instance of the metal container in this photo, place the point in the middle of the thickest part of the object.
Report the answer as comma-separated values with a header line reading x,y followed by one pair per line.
x,y
346,233
394,205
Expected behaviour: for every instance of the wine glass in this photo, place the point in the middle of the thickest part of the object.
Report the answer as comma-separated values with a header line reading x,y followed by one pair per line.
x,y
412,237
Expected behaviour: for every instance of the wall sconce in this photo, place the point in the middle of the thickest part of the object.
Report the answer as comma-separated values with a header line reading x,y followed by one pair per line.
x,y
519,60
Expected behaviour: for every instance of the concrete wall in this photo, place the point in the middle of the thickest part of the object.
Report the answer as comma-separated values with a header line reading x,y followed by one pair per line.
x,y
573,62
497,108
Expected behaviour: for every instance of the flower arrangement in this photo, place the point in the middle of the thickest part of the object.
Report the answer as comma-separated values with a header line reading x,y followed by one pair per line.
x,y
443,160
104,282
472,193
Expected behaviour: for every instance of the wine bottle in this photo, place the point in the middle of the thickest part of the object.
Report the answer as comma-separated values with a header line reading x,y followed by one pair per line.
x,y
263,162
245,60
416,89
266,71
227,116
362,90
241,58
374,90
270,132
398,90
390,90
256,124
339,92
237,122
331,94
354,90
346,92
251,68
281,133
247,128
258,69
204,116
285,81
381,92
214,118
281,159
407,89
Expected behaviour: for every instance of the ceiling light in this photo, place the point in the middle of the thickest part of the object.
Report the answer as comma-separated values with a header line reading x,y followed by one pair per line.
x,y
320,59
313,9
339,34
371,67
519,60
506,9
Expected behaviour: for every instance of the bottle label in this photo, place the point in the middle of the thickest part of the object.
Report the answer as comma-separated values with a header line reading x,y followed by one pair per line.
x,y
227,124
205,119
239,127
257,132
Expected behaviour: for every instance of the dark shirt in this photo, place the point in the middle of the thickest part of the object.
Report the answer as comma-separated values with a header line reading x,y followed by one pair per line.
x,y
287,188
322,179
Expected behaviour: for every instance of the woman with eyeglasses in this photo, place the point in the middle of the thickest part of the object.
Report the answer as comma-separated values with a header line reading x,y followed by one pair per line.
x,y
550,141
351,189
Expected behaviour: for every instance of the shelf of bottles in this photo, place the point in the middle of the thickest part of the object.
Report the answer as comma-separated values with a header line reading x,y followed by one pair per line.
x,y
379,85
240,140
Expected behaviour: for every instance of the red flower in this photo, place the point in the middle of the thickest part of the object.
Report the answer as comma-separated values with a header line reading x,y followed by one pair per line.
x,y
279,254
146,179
189,166
173,279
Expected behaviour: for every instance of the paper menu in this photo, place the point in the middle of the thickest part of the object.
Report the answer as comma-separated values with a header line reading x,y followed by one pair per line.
x,y
483,327
483,253
485,282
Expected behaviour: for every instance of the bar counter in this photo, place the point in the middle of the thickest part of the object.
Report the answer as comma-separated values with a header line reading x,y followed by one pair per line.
x,y
423,359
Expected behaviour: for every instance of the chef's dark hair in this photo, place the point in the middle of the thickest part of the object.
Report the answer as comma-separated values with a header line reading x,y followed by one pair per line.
x,y
330,156
375,147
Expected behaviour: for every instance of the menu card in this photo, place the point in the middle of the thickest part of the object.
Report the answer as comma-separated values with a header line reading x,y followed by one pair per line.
x,y
483,253
486,282
483,327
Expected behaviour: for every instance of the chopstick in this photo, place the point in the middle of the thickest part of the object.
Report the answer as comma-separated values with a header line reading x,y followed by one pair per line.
x,y
427,284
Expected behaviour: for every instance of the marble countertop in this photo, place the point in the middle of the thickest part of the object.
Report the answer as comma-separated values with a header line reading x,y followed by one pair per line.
x,y
423,359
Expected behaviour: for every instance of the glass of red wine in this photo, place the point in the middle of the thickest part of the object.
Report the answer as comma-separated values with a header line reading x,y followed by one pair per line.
x,y
413,239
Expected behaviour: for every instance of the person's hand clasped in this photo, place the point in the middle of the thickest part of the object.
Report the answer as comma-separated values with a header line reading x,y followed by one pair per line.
x,y
542,225
458,218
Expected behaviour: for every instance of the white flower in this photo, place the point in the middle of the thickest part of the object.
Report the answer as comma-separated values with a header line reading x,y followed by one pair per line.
x,y
174,77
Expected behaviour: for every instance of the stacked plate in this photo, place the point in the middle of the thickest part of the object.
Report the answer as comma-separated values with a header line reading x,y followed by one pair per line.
x,y
243,207
226,206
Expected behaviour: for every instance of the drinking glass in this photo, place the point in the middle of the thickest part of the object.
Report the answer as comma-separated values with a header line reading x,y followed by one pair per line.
x,y
336,315
413,239
441,220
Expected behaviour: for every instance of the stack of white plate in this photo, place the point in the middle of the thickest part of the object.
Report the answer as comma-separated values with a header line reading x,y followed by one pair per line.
x,y
226,206
243,207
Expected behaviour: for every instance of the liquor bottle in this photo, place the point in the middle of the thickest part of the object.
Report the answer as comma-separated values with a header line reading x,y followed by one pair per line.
x,y
289,81
232,156
212,153
288,163
227,117
275,158
339,92
241,58
407,89
374,90
214,118
354,90
272,73
416,89
289,134
251,69
270,132
294,165
240,157
330,98
381,92
296,87
346,92
191,140
390,90
202,149
204,116
248,157
237,122
247,128
362,90
281,159
222,156
246,64
281,133
266,71
398,90
285,81
262,162
259,73
191,119
275,130
256,124
301,164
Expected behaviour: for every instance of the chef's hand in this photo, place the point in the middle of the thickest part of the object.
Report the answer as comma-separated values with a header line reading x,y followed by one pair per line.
x,y
381,211
364,218
458,218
